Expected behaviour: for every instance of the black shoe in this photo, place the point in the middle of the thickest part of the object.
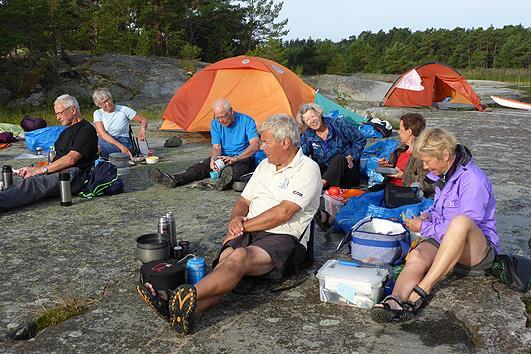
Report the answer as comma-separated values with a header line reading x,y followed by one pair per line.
x,y
160,177
182,308
174,141
225,179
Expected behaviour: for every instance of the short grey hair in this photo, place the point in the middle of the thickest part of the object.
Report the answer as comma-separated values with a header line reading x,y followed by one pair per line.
x,y
282,126
222,102
305,108
67,101
100,94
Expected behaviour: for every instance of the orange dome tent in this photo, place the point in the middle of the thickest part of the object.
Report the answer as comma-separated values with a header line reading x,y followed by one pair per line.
x,y
255,86
430,85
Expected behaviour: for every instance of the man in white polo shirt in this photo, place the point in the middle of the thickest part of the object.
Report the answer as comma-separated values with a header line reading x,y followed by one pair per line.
x,y
268,224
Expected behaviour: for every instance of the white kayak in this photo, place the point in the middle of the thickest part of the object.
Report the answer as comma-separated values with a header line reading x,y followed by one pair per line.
x,y
507,102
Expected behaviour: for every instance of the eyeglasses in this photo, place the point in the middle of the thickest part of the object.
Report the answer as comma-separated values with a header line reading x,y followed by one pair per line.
x,y
57,114
104,101
226,115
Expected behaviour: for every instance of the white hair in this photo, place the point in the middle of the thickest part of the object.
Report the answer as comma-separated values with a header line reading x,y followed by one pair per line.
x,y
304,108
67,101
100,94
222,102
282,126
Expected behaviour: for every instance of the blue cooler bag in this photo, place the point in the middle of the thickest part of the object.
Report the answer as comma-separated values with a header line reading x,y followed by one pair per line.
x,y
385,240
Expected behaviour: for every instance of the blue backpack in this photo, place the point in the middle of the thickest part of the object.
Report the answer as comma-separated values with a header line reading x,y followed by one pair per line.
x,y
103,180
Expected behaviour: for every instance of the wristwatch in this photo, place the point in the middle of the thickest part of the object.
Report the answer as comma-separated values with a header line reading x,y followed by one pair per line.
x,y
44,170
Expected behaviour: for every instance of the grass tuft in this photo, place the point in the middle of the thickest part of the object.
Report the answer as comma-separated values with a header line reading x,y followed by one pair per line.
x,y
66,307
15,115
521,76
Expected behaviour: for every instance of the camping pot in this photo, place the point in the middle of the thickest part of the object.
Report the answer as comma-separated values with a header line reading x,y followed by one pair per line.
x,y
119,159
152,247
238,186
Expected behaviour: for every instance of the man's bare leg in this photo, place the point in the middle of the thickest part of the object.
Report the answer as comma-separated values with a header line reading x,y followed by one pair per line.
x,y
233,266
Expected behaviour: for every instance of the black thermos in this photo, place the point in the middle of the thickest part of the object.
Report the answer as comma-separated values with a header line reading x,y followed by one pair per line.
x,y
64,188
7,175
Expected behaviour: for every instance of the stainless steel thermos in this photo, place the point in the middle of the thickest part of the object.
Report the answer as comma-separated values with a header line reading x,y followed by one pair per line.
x,y
173,234
64,188
7,176
163,226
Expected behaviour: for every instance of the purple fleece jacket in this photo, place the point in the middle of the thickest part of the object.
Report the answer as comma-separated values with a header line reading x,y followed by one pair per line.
x,y
467,192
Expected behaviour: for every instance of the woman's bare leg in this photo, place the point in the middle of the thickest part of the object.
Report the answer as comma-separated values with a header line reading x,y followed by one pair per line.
x,y
417,265
463,243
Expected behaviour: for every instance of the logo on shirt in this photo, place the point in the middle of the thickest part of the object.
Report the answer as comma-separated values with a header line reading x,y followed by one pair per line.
x,y
283,183
297,193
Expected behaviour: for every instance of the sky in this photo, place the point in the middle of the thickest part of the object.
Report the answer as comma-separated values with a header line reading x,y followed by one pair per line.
x,y
338,19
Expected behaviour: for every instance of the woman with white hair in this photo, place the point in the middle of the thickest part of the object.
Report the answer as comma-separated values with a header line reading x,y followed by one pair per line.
x,y
112,124
459,229
335,144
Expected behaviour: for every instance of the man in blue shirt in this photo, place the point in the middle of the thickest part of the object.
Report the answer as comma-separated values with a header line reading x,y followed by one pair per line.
x,y
234,141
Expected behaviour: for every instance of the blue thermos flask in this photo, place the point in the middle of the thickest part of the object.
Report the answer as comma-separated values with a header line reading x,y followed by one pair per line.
x,y
196,269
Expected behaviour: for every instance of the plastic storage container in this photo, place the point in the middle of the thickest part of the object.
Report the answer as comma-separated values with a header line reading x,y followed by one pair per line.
x,y
332,204
344,283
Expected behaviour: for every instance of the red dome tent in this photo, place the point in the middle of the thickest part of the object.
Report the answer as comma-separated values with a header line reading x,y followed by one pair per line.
x,y
431,83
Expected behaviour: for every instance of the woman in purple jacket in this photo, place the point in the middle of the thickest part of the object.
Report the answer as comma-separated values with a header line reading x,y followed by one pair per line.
x,y
459,229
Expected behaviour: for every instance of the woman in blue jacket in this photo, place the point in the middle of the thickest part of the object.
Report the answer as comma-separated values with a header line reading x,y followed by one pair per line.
x,y
334,143
459,229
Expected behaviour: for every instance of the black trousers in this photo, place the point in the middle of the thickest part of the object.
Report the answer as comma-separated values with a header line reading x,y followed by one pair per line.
x,y
201,170
338,174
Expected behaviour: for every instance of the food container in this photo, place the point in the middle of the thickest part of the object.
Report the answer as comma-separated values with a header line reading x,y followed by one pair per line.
x,y
345,283
332,204
152,247
152,159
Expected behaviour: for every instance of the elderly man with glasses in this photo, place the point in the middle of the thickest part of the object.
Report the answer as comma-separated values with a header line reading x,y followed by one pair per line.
x,y
76,148
234,140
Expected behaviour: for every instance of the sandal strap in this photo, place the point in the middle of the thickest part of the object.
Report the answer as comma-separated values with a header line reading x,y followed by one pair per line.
x,y
420,292
391,297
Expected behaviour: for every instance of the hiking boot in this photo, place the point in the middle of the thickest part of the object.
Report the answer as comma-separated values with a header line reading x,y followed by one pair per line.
x,y
160,177
225,179
182,308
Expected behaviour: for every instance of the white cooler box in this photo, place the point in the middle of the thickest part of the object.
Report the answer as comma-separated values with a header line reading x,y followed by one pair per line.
x,y
341,282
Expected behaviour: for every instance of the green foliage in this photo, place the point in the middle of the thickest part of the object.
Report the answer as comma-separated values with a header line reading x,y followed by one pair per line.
x,y
36,36
517,76
260,22
272,49
400,49
67,309
396,58
342,97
